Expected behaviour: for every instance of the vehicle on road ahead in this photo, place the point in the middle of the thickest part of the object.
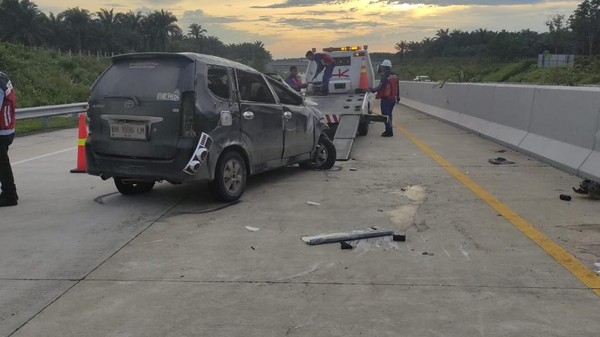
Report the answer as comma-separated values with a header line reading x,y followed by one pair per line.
x,y
346,96
189,117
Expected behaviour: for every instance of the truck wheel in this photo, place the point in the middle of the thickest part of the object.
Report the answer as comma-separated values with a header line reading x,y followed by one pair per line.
x,y
325,155
363,128
135,187
230,177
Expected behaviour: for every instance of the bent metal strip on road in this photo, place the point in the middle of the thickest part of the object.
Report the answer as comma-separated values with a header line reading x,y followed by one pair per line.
x,y
566,259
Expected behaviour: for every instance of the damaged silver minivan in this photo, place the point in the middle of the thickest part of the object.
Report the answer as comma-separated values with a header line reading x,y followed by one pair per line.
x,y
181,117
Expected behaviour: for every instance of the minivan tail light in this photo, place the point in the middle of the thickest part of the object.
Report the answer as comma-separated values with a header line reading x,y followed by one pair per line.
x,y
187,114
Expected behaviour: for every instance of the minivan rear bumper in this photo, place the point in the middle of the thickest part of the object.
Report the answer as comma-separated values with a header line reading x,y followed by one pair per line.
x,y
146,168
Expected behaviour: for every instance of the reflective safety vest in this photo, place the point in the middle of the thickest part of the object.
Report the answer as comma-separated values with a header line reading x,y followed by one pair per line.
x,y
7,111
390,88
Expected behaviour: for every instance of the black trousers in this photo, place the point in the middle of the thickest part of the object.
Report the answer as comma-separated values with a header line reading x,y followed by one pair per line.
x,y
7,179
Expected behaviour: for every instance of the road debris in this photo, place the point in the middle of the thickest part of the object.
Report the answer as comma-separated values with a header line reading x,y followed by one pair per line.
x,y
428,254
312,203
597,265
339,237
501,151
399,237
565,197
500,161
590,188
353,169
252,229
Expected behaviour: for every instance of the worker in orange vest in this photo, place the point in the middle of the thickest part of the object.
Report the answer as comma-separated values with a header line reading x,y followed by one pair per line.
x,y
388,92
8,196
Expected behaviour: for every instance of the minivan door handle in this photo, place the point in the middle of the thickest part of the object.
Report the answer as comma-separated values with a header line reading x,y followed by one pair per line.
x,y
287,115
248,115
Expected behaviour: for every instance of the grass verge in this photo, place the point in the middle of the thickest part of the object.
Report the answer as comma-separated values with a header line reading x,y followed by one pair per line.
x,y
36,125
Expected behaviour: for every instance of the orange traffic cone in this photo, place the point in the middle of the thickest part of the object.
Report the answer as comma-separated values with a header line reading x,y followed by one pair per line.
x,y
81,163
363,82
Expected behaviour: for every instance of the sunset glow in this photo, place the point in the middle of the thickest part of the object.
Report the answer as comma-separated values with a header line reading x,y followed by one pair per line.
x,y
289,27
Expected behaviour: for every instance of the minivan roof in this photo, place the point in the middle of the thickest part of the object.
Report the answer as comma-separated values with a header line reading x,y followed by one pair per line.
x,y
209,59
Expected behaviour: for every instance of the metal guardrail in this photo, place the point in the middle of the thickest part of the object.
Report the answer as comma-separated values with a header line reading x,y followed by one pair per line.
x,y
51,110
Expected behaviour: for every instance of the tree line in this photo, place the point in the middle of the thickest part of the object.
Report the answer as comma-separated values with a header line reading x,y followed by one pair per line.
x,y
106,32
578,34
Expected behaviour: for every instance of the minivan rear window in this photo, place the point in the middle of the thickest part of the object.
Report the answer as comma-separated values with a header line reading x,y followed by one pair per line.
x,y
160,79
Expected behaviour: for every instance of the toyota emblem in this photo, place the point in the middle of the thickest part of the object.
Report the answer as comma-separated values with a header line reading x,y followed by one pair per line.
x,y
128,104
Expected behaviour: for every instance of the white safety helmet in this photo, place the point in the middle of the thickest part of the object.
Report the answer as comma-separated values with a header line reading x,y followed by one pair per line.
x,y
386,63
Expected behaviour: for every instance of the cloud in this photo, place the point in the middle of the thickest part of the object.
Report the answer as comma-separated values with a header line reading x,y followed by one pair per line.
x,y
303,3
221,26
308,3
326,24
460,2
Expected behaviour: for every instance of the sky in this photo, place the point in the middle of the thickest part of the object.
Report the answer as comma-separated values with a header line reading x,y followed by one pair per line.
x,y
289,28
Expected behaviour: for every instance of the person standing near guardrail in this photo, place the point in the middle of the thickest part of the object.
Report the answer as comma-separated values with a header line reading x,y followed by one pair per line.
x,y
323,61
387,91
8,197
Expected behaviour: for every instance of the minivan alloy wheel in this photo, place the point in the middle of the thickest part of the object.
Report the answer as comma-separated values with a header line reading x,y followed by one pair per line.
x,y
230,176
325,155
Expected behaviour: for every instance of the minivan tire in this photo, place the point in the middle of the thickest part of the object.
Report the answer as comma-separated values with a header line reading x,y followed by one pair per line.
x,y
324,157
230,177
133,188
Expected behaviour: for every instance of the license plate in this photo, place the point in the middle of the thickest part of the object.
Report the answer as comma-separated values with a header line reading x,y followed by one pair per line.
x,y
128,130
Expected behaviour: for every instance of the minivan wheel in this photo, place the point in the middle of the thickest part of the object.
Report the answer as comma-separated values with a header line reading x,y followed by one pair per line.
x,y
132,187
324,157
230,177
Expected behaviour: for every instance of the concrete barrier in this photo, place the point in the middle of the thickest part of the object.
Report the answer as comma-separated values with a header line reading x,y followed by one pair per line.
x,y
434,99
559,125
500,112
591,166
564,122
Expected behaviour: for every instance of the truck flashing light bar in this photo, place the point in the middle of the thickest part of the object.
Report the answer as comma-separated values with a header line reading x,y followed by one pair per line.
x,y
347,48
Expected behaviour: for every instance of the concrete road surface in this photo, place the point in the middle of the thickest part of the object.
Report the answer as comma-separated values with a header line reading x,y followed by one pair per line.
x,y
81,260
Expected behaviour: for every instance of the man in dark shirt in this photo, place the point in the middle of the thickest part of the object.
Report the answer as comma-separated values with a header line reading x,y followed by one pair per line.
x,y
294,80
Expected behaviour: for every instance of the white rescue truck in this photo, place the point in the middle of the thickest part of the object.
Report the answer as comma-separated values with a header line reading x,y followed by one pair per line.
x,y
348,106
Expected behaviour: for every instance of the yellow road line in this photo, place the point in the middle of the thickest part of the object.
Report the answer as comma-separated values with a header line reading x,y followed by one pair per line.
x,y
566,259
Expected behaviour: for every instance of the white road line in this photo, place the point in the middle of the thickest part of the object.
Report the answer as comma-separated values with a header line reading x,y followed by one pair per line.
x,y
44,156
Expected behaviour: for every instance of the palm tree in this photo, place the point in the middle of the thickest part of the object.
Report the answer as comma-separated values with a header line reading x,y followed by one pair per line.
x,y
78,22
107,22
401,47
197,33
22,22
158,27
130,26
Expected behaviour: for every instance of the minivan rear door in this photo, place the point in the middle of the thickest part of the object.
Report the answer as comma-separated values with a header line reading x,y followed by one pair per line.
x,y
136,104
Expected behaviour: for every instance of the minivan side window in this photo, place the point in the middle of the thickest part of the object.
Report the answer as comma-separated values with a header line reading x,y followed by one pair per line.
x,y
285,94
218,81
252,87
